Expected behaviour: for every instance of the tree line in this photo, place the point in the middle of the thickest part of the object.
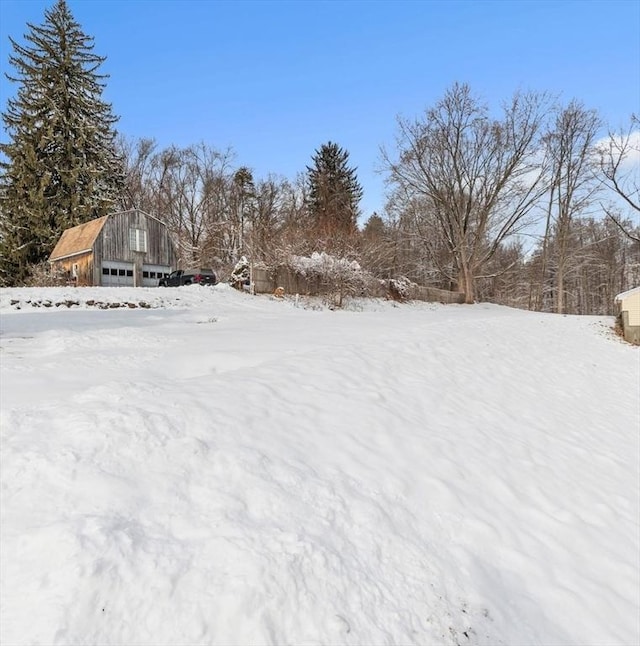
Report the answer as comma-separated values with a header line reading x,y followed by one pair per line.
x,y
528,207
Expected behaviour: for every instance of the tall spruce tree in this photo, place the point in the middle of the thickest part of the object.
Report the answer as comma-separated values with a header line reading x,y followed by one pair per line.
x,y
60,167
334,191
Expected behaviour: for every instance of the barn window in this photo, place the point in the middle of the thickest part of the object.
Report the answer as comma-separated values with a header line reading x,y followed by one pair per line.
x,y
137,239
105,271
129,272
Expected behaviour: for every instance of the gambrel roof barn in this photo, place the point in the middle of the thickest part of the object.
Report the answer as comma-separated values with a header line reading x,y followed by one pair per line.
x,y
130,248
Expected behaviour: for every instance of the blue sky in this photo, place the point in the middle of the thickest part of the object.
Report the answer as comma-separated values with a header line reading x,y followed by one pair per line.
x,y
275,80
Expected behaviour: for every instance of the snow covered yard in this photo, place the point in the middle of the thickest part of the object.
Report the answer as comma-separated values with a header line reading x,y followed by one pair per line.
x,y
225,469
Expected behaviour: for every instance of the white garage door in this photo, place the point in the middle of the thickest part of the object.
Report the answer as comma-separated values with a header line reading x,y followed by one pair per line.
x,y
117,274
152,273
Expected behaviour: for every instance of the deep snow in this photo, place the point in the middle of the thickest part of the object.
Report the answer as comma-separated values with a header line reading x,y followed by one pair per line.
x,y
228,469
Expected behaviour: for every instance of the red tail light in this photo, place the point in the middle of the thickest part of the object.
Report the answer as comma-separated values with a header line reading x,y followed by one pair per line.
x,y
197,278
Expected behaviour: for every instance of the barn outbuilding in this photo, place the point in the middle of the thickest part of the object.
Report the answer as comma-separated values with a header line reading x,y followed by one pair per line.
x,y
628,306
130,248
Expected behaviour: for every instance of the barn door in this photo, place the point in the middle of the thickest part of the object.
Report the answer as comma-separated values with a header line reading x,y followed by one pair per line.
x,y
117,274
152,273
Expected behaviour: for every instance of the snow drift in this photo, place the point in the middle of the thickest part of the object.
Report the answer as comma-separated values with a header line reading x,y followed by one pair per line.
x,y
226,469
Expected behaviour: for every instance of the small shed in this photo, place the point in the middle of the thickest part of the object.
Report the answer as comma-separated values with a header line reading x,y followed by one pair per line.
x,y
628,307
129,248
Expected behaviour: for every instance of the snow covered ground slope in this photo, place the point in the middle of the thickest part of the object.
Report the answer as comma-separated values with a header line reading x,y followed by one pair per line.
x,y
228,469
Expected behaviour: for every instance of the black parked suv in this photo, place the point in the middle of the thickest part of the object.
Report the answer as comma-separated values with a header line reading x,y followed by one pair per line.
x,y
188,277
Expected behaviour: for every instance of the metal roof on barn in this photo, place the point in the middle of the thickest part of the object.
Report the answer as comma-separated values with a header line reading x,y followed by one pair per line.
x,y
78,239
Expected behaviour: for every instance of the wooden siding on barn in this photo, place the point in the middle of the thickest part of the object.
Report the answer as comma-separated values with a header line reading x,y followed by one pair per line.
x,y
83,266
108,239
113,241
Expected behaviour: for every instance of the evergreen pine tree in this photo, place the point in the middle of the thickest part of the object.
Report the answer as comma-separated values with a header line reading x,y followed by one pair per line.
x,y
334,191
60,167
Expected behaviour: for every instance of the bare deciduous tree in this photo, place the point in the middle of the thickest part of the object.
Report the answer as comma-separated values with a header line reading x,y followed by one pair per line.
x,y
378,249
569,149
138,158
624,180
478,177
191,189
601,262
